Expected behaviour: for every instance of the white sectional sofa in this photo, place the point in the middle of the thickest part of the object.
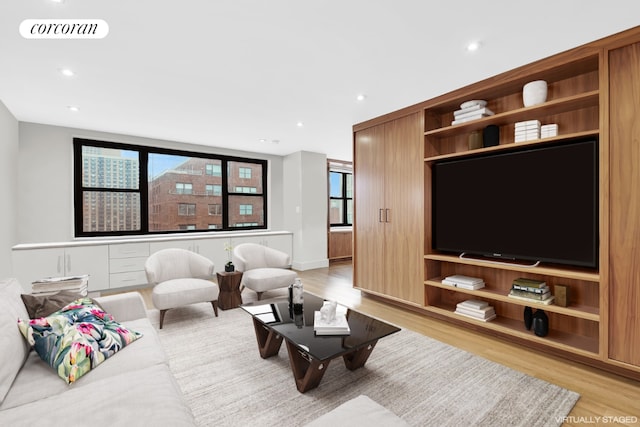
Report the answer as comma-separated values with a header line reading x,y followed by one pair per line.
x,y
134,387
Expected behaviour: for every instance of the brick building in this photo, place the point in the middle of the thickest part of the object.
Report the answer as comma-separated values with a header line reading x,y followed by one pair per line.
x,y
191,196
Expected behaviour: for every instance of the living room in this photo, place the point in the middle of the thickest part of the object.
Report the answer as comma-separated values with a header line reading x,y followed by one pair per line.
x,y
36,161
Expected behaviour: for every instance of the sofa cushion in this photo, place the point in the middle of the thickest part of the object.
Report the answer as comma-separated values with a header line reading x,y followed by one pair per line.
x,y
266,279
44,305
35,380
13,348
144,397
76,338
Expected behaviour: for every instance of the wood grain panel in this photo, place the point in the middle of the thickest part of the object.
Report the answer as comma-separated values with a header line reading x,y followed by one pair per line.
x,y
404,229
340,244
368,228
624,228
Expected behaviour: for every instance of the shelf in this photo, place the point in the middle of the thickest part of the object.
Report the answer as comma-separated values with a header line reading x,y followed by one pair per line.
x,y
576,344
577,274
575,310
556,106
503,147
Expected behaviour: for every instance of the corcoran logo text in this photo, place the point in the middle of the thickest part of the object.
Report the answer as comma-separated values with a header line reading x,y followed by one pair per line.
x,y
64,29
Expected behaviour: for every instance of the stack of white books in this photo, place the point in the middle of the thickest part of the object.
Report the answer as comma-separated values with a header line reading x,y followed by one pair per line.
x,y
527,130
548,131
476,309
471,110
51,285
464,282
338,326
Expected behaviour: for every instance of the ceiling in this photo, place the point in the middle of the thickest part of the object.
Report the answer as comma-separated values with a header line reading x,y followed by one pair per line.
x,y
242,74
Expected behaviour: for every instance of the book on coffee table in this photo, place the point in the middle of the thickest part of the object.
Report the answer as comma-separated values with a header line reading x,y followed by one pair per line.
x,y
339,326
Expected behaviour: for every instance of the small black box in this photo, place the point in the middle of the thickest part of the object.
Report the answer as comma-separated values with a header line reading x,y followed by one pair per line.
x,y
491,136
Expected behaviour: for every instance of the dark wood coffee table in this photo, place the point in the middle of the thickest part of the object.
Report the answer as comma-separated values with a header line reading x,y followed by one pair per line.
x,y
310,354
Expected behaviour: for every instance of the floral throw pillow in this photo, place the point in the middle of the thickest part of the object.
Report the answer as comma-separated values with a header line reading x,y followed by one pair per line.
x,y
76,338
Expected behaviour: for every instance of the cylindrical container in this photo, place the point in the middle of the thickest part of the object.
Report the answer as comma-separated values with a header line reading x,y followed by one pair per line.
x,y
296,296
534,93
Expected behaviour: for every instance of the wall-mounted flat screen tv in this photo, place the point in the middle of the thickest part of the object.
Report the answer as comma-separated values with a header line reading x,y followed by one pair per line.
x,y
533,204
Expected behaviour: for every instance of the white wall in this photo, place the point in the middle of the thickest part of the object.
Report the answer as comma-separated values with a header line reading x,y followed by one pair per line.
x,y
8,188
45,178
305,208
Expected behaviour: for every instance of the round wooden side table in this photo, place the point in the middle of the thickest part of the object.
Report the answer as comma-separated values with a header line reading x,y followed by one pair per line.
x,y
229,284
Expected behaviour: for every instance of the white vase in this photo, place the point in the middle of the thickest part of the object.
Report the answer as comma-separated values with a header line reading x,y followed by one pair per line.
x,y
534,93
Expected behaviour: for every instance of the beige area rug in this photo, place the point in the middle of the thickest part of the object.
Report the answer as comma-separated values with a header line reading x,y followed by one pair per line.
x,y
425,382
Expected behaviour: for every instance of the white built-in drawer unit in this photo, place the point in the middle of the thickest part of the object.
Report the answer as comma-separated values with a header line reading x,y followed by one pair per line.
x,y
126,264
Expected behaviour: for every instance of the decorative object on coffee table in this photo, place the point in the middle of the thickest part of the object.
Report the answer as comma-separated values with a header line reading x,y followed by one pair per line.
x,y
229,284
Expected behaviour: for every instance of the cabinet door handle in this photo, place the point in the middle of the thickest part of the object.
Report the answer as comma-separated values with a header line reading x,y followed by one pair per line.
x,y
387,215
380,215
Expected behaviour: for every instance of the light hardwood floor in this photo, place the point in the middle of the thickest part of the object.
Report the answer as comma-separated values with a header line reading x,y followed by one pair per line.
x,y
602,394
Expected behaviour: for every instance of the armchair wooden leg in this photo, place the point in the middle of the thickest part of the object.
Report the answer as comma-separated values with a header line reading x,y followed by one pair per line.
x,y
259,295
162,313
215,307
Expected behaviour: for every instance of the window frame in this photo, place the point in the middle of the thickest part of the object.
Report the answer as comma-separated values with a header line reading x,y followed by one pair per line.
x,y
344,198
143,187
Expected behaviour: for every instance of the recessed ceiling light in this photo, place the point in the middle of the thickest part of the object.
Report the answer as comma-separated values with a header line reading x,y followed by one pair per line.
x,y
473,46
299,124
361,97
57,1
67,72
73,108
262,140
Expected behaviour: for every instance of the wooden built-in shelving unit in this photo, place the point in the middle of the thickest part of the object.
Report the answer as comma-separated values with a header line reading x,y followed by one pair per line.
x,y
592,93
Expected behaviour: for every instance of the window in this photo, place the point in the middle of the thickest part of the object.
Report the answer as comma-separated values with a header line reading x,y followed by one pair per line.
x,y
246,190
186,209
182,188
213,169
244,173
340,198
246,210
128,189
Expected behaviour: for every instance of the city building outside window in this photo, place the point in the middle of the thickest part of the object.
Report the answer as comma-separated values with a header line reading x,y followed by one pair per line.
x,y
128,189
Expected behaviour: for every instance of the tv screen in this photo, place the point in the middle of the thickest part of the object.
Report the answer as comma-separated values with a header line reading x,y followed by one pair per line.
x,y
533,204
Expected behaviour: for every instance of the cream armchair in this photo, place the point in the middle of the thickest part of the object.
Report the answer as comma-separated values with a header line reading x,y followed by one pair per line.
x,y
180,277
263,268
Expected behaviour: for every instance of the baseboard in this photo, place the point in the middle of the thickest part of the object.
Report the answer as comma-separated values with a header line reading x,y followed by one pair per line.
x,y
310,265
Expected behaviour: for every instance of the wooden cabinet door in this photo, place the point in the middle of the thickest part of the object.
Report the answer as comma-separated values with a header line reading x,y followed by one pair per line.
x,y
404,226
624,193
369,168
